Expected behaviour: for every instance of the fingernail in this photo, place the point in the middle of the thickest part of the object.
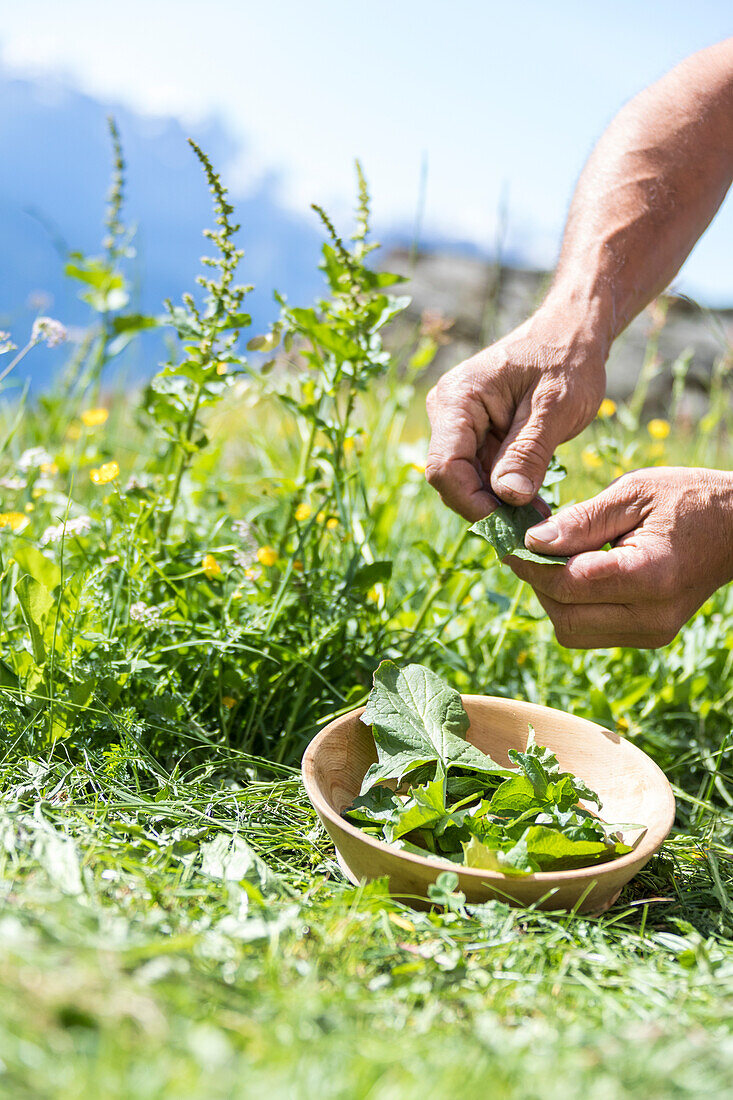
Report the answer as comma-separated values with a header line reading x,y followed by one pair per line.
x,y
515,483
545,532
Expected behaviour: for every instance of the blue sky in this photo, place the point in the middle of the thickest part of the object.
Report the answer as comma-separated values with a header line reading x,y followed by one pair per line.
x,y
499,97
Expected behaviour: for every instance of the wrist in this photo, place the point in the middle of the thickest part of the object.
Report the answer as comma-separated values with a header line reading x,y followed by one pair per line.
x,y
588,310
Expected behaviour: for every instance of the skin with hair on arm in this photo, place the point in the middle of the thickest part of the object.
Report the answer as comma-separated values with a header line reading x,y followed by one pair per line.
x,y
649,190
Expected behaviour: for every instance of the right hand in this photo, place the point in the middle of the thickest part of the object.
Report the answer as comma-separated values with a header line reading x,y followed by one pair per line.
x,y
497,418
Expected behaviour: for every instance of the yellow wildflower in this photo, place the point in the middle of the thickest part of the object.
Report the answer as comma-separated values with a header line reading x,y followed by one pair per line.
x,y
303,512
298,565
607,408
417,467
30,506
618,471
522,657
48,469
321,517
656,450
92,418
210,566
591,459
221,368
37,491
266,555
229,701
348,445
332,523
250,575
373,594
658,429
13,520
105,473
622,726
73,431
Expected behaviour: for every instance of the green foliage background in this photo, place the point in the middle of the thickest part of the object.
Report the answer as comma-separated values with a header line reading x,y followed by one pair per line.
x,y
191,586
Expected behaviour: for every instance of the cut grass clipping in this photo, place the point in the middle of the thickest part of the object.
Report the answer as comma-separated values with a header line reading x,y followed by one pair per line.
x,y
455,802
505,529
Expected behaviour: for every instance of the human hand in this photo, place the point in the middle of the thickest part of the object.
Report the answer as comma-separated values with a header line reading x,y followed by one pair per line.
x,y
497,417
672,534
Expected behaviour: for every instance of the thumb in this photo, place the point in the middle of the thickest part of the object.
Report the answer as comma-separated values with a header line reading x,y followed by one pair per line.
x,y
590,524
522,460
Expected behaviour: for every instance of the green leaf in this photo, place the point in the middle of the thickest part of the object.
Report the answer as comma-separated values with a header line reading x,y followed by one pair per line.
x,y
235,320
232,859
35,603
425,808
39,567
541,767
478,854
376,572
552,850
518,860
514,796
378,805
515,861
418,719
137,322
505,529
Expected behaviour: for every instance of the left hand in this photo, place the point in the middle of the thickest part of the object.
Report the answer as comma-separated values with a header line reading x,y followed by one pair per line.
x,y
671,530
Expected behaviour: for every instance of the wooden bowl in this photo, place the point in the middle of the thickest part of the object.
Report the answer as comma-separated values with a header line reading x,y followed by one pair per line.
x,y
632,788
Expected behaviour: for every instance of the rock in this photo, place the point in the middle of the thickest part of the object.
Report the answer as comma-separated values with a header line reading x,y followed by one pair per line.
x,y
485,300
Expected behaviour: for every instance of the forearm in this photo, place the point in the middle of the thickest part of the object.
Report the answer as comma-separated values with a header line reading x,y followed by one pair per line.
x,y
648,192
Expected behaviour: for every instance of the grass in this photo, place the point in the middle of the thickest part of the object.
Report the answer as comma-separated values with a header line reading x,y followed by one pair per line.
x,y
172,918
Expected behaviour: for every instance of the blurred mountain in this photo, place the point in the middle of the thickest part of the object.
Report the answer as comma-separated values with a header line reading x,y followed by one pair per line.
x,y
54,178
476,301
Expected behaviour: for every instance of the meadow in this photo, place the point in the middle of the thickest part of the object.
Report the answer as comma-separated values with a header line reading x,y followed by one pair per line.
x,y
197,574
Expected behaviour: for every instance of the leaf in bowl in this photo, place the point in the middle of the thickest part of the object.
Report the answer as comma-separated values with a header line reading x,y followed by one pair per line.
x,y
418,719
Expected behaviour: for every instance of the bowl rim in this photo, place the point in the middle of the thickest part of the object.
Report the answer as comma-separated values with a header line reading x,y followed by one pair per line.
x,y
652,840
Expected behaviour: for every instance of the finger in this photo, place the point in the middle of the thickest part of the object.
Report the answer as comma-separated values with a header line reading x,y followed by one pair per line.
x,y
644,626
521,464
452,466
461,488
592,523
624,574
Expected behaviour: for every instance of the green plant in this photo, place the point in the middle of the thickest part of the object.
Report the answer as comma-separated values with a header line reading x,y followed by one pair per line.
x,y
458,803
172,918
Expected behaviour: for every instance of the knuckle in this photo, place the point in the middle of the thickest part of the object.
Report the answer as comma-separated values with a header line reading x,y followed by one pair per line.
x,y
564,638
584,517
531,449
560,587
436,471
565,620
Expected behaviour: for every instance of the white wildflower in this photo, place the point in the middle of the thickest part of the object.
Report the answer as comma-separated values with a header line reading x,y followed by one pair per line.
x,y
13,484
245,531
143,613
245,559
6,344
51,332
34,458
72,527
111,560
